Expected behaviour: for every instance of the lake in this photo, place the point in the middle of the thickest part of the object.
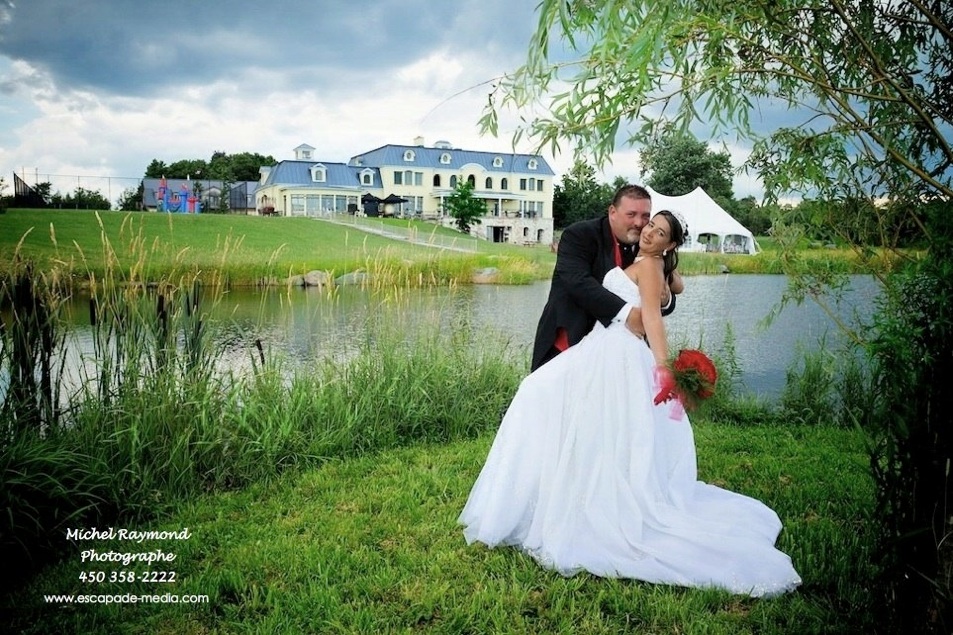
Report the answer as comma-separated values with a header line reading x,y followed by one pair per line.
x,y
306,325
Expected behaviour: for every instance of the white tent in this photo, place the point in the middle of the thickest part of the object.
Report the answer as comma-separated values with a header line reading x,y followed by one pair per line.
x,y
710,228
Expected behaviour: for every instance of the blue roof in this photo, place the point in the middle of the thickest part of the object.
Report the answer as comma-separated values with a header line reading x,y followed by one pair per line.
x,y
429,157
337,175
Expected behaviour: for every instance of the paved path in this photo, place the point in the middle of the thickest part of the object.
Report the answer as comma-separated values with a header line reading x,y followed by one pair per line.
x,y
409,234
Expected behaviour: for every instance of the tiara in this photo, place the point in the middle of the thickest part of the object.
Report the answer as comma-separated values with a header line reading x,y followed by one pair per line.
x,y
681,220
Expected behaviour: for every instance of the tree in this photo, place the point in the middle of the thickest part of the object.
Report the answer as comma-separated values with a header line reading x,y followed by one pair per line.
x,y
463,206
755,217
872,82
245,166
188,168
678,163
81,198
131,199
579,196
156,169
44,190
229,168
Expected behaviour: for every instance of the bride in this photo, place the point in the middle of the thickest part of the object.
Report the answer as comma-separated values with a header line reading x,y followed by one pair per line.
x,y
587,474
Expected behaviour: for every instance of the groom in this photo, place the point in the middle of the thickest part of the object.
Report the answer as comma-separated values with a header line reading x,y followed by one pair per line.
x,y
587,251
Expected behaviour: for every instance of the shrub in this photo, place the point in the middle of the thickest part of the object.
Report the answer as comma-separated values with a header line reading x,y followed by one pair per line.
x,y
912,440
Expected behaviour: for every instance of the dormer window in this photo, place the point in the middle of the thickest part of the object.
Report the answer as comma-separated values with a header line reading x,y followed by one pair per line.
x,y
409,155
319,173
303,152
445,158
498,162
532,164
367,177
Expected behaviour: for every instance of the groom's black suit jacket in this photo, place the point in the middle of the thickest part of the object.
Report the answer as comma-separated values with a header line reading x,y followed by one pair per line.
x,y
576,297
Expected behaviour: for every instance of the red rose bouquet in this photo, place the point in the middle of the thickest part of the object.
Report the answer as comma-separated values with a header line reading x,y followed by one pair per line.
x,y
690,378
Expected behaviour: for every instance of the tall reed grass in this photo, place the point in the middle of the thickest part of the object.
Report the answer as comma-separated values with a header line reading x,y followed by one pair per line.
x,y
156,418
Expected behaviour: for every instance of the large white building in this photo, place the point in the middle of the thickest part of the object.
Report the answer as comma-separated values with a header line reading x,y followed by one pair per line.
x,y
413,181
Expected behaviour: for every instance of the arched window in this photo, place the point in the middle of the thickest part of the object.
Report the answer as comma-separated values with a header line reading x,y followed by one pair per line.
x,y
436,180
489,183
445,158
532,164
453,181
471,180
409,155
505,184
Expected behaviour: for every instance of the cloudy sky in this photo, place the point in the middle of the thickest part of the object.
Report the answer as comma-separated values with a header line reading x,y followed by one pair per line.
x,y
99,88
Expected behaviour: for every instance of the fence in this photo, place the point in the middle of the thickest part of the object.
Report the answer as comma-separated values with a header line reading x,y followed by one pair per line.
x,y
110,187
24,195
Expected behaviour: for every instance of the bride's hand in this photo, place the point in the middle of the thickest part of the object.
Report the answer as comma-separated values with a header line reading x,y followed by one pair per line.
x,y
664,383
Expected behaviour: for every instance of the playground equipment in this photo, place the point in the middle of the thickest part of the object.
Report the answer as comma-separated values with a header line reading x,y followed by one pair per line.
x,y
184,201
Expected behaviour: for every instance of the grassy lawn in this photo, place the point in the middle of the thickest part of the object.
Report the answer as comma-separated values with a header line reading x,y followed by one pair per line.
x,y
370,545
327,503
245,248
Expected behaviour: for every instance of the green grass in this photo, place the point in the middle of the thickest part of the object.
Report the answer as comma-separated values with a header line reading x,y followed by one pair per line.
x,y
247,250
371,545
244,249
325,501
353,473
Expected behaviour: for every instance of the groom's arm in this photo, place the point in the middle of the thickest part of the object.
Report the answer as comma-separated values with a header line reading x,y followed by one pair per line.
x,y
578,253
675,286
675,282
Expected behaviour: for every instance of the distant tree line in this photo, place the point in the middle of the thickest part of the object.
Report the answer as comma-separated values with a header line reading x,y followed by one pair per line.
x,y
676,163
80,198
228,168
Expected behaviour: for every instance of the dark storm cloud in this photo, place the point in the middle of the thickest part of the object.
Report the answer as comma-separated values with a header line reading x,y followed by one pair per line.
x,y
131,47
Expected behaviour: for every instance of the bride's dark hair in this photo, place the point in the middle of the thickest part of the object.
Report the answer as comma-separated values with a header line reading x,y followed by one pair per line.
x,y
677,234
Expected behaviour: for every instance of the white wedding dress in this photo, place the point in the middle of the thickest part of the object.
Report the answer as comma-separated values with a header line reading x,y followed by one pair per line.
x,y
586,474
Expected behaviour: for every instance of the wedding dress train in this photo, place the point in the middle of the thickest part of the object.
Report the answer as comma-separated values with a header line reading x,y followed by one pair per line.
x,y
586,474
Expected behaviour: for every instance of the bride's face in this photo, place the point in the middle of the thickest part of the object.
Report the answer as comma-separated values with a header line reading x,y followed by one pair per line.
x,y
656,236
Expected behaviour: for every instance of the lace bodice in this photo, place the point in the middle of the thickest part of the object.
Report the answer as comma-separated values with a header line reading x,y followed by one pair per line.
x,y
622,285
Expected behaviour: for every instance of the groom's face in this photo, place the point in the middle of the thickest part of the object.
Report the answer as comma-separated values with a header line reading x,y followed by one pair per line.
x,y
629,217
